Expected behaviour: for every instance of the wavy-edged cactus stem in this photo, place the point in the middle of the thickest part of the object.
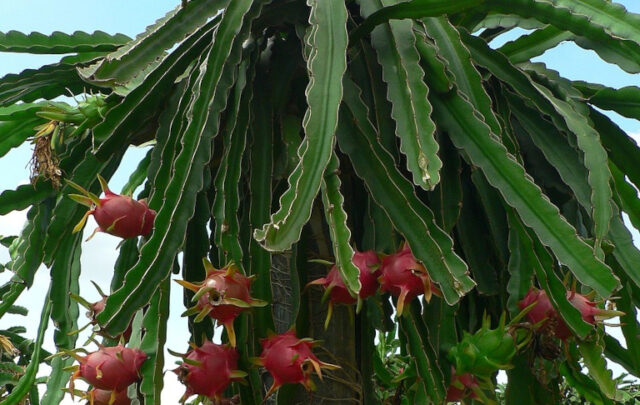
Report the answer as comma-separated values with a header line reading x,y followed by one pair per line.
x,y
108,368
116,214
543,313
208,370
405,278
223,295
487,350
290,360
334,288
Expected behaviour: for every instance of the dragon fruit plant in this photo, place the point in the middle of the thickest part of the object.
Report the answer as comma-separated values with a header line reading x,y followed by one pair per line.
x,y
111,368
405,278
208,370
290,360
223,295
94,309
543,311
462,387
334,288
116,214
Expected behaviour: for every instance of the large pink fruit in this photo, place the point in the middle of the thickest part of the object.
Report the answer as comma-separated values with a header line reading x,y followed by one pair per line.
x,y
369,266
104,397
208,370
290,360
543,311
110,368
223,295
404,277
116,214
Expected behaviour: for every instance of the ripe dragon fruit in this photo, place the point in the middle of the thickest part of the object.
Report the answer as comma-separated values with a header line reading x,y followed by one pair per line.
x,y
404,277
290,361
223,295
369,266
461,387
104,397
208,370
116,214
98,307
484,352
109,368
544,312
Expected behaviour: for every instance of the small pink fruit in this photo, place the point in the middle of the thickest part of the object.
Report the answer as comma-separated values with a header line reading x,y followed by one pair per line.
x,y
404,277
369,266
461,386
290,361
98,307
110,368
208,370
116,214
223,295
544,310
104,397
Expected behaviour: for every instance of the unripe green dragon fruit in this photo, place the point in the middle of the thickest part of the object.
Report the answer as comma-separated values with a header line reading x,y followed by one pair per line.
x,y
484,352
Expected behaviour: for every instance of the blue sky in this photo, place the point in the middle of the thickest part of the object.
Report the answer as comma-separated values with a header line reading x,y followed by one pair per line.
x,y
131,18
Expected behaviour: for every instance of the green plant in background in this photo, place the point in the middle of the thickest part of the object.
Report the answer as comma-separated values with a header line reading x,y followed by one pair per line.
x,y
286,134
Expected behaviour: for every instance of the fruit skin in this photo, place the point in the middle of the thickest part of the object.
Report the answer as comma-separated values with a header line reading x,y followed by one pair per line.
x,y
98,307
543,309
208,370
116,214
461,386
404,277
110,368
484,352
222,295
103,397
369,265
290,360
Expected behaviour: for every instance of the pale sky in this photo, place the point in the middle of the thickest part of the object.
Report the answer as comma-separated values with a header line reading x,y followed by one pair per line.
x,y
131,17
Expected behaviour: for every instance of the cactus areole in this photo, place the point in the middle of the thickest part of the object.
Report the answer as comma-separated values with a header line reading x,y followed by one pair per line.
x,y
222,295
290,360
369,266
208,370
116,214
543,311
404,277
110,368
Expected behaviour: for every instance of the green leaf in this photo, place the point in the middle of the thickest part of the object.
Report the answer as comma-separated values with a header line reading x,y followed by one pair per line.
x,y
47,82
326,65
625,100
412,9
122,122
607,27
527,47
396,196
24,196
395,45
423,355
15,133
20,112
593,356
336,217
138,176
26,251
467,132
155,327
133,58
59,42
227,198
21,389
178,201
